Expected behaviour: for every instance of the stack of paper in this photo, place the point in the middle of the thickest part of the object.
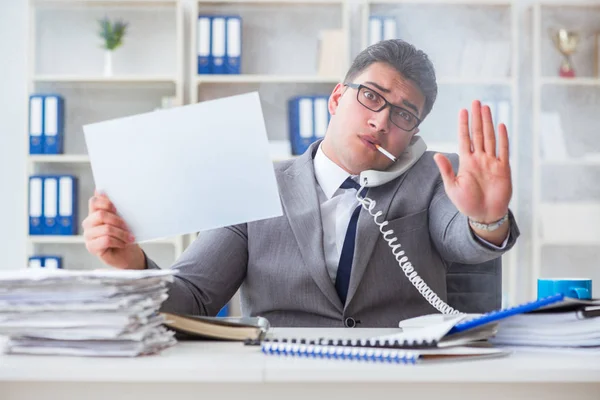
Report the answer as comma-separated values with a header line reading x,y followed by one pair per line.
x,y
578,328
86,313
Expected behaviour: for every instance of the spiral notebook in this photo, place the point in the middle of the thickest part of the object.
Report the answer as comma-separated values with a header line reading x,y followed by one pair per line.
x,y
429,332
381,355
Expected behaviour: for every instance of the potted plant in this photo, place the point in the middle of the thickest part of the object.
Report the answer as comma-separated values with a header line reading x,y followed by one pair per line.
x,y
112,33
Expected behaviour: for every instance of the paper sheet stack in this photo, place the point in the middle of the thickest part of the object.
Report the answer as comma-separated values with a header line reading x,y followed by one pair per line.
x,y
84,313
574,328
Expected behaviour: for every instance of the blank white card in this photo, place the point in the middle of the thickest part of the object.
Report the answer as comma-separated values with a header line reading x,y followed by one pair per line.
x,y
186,169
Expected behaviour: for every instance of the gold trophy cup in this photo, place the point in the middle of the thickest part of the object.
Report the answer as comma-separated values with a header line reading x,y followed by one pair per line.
x,y
566,41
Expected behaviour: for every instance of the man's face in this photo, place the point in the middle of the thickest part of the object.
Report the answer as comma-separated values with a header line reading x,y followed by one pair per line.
x,y
354,129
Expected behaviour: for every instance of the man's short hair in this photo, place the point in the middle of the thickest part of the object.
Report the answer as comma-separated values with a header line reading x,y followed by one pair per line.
x,y
411,63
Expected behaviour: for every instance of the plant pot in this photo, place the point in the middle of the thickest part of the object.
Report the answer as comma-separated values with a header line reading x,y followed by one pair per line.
x,y
108,67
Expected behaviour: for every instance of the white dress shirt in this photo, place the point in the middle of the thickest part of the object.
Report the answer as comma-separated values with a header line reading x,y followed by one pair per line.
x,y
337,206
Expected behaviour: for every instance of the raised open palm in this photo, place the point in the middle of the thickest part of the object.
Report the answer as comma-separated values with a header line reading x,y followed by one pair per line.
x,y
482,188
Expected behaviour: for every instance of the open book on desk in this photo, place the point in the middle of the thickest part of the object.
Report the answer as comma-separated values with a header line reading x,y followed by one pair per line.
x,y
194,327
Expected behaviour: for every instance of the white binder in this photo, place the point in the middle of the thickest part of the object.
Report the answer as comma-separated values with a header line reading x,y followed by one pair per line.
x,y
203,45
218,45
375,30
50,205
234,45
389,28
36,214
306,117
36,124
321,116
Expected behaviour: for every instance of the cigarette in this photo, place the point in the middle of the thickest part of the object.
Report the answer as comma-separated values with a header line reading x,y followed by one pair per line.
x,y
385,153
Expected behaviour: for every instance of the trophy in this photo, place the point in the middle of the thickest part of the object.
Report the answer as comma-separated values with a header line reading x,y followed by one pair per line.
x,y
566,42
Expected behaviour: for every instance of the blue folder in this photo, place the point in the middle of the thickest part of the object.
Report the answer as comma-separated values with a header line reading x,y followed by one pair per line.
x,y
50,226
67,205
53,124
505,313
218,44
204,41
233,40
308,121
36,205
50,262
36,124
36,262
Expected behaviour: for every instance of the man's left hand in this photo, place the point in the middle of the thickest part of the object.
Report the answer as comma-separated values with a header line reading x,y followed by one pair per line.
x,y
482,188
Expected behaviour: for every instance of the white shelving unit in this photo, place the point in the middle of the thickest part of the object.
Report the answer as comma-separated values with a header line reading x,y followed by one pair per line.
x,y
124,79
460,81
58,76
564,238
231,79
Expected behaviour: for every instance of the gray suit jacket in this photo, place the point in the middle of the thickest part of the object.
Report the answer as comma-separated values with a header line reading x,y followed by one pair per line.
x,y
279,263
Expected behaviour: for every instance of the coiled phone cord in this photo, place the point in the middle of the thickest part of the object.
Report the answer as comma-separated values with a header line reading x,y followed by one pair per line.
x,y
412,275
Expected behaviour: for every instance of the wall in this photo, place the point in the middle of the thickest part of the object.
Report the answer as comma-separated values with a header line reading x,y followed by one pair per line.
x,y
13,101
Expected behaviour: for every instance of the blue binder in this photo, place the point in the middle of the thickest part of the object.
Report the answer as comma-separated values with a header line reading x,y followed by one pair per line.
x,y
382,28
233,40
50,205
53,124
301,128
67,205
204,44
52,262
36,262
218,44
308,121
36,124
321,116
36,205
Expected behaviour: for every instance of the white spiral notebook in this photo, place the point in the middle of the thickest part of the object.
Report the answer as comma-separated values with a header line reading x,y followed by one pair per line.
x,y
425,338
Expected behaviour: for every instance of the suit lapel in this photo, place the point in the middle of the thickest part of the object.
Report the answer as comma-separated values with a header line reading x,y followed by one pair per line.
x,y
301,204
368,232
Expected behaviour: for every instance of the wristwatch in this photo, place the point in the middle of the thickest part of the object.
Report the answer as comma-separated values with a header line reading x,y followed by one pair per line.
x,y
492,226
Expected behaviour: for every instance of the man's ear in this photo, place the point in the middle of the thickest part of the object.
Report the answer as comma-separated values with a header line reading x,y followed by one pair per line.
x,y
334,99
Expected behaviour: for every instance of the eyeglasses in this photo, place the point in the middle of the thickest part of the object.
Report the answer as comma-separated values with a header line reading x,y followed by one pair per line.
x,y
372,100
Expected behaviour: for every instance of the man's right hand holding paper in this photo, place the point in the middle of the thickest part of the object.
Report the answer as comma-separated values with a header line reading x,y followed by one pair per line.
x,y
107,236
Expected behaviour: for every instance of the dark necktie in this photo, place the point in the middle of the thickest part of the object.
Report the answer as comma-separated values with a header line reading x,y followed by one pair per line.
x,y
342,279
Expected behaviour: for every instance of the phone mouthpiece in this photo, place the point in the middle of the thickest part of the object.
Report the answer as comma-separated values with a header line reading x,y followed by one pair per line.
x,y
385,153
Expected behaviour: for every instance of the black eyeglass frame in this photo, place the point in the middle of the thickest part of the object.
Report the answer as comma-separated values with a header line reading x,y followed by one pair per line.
x,y
386,103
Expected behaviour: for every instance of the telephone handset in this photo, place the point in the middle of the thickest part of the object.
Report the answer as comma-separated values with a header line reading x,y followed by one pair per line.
x,y
415,149
371,178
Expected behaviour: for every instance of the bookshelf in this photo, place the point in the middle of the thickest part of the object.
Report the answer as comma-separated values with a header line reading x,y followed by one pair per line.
x,y
65,58
494,22
565,149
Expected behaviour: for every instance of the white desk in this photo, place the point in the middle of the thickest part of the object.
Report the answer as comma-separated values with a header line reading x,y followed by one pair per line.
x,y
218,370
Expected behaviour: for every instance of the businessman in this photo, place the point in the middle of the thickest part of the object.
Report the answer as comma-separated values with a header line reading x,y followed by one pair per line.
x,y
324,262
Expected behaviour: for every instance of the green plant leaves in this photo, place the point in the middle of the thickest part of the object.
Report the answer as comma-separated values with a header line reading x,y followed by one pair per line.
x,y
112,33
